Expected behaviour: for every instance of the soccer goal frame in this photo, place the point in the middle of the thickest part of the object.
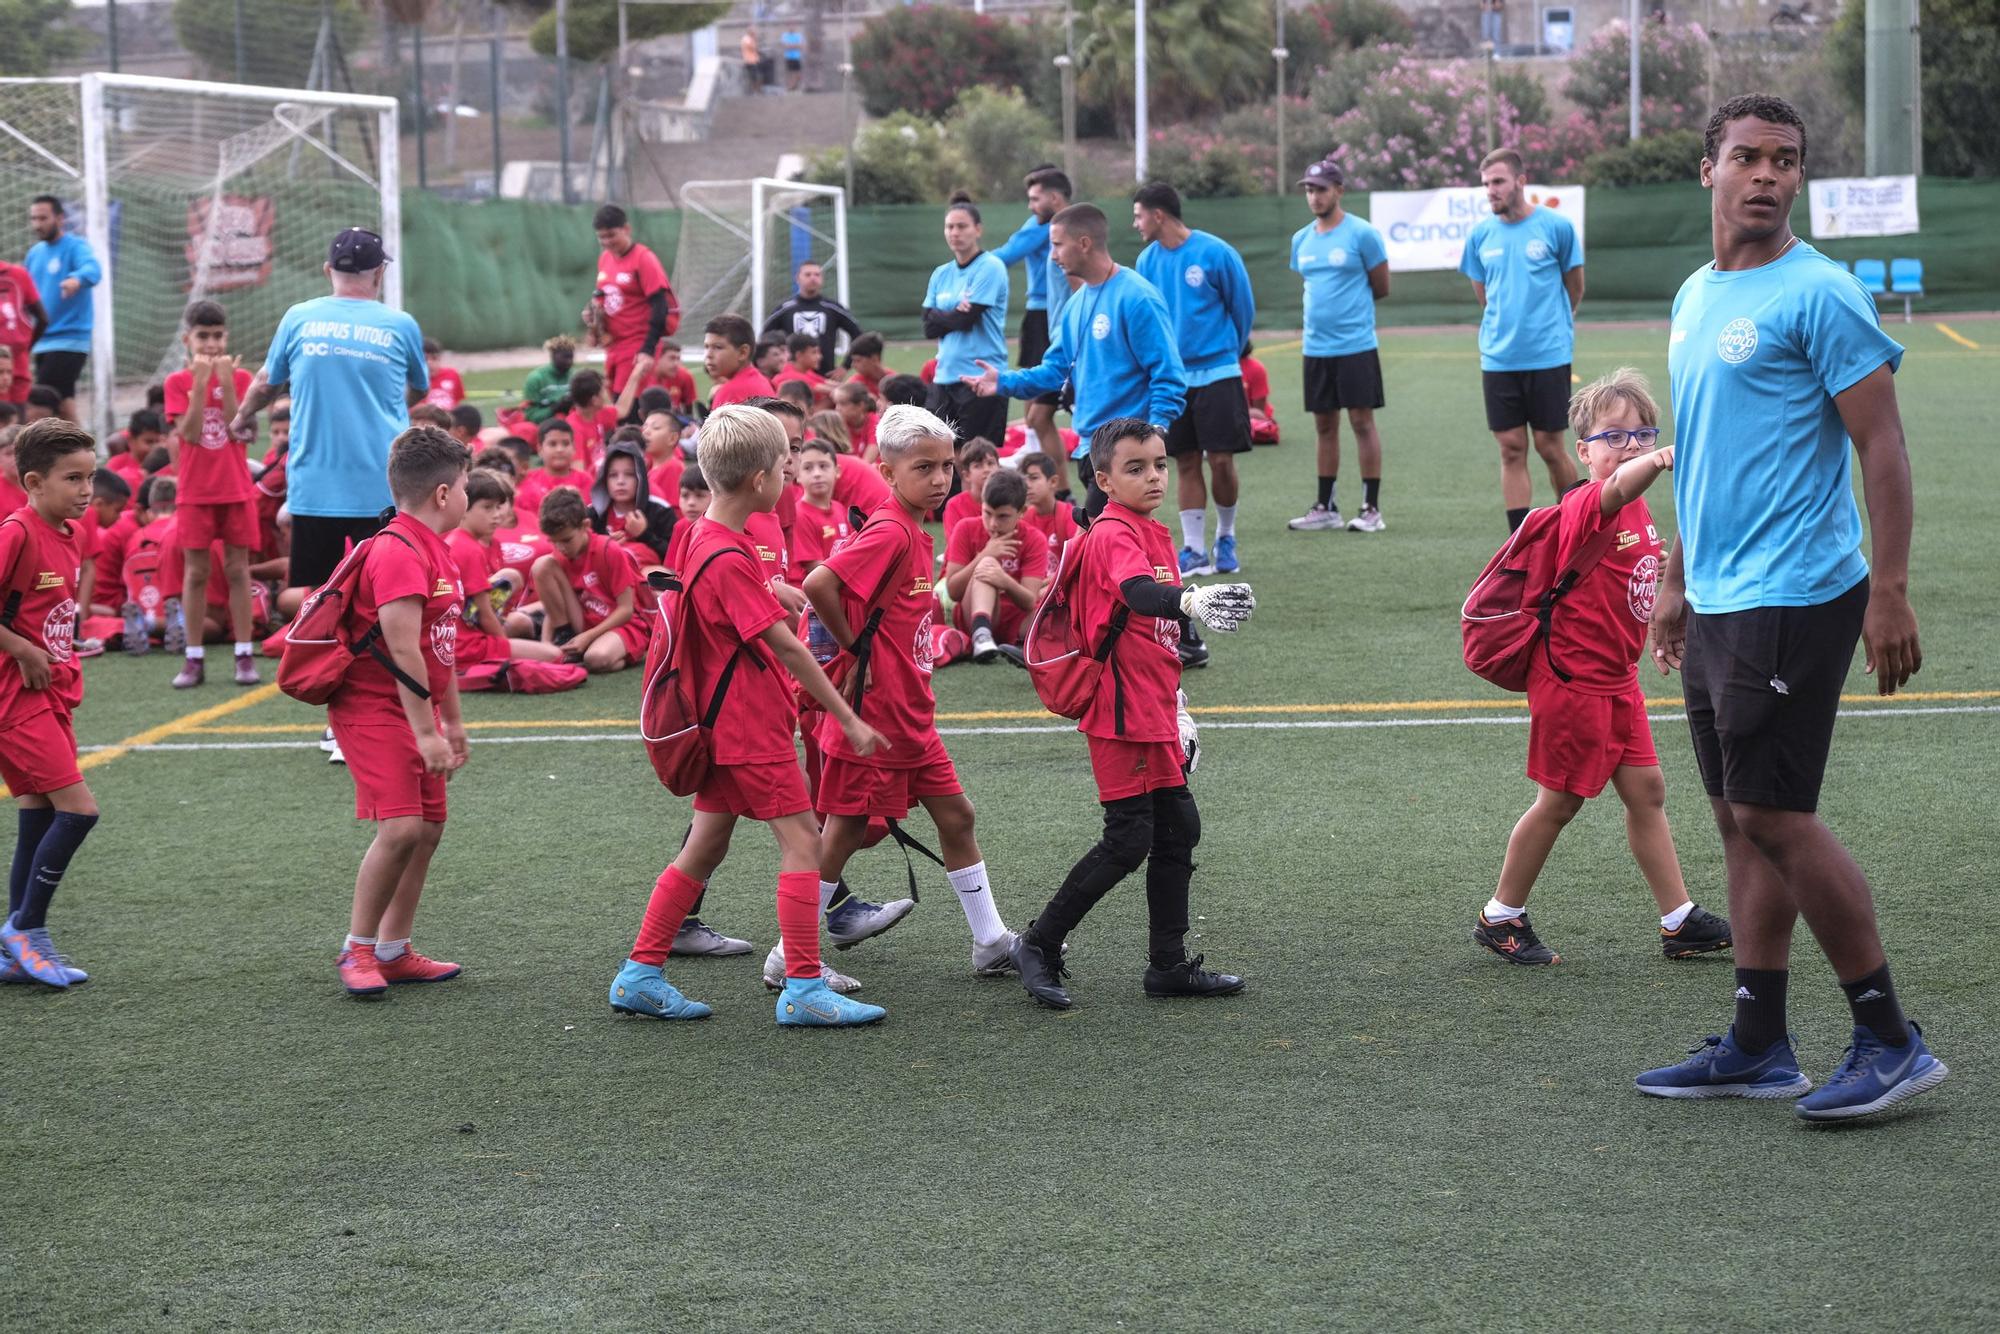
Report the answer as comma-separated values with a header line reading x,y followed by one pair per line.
x,y
96,96
767,195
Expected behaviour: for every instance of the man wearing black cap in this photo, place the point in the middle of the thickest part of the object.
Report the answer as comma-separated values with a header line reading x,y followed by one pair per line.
x,y
1345,268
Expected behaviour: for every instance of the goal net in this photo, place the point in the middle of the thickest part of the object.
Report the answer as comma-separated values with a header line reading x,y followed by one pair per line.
x,y
188,190
741,242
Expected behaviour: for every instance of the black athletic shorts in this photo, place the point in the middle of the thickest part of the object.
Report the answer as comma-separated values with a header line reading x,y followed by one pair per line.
x,y
1539,399
1762,689
1215,421
60,370
1035,346
319,542
969,414
1352,381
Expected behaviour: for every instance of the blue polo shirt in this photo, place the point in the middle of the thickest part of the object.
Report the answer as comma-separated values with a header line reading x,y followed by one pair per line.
x,y
68,256
982,280
1207,291
1527,325
1763,488
1339,304
348,362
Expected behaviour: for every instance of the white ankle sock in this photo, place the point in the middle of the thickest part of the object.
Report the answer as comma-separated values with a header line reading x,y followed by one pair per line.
x,y
196,652
390,950
1672,921
976,897
1496,911
1225,521
244,648
1194,525
353,940
827,889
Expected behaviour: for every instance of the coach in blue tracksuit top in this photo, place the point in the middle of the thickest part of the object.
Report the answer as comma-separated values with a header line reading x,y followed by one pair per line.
x,y
1207,291
65,269
1113,341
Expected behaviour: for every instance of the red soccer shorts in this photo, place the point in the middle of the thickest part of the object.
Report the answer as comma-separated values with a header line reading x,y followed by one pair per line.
x,y
37,746
1133,768
387,769
476,646
618,359
859,787
760,791
235,522
1577,741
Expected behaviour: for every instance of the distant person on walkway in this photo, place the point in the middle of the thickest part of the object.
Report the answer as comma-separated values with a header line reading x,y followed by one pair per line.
x,y
1492,21
64,268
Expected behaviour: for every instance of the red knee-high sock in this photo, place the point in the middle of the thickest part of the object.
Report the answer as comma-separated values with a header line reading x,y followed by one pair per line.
x,y
674,894
798,922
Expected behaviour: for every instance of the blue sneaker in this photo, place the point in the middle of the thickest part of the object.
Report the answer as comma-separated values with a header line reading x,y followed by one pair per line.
x,y
641,989
1873,1077
1718,1068
808,1002
854,920
1225,555
1195,562
35,954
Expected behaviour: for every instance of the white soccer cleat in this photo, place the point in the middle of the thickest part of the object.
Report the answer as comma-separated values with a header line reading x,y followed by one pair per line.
x,y
1368,521
1318,519
774,973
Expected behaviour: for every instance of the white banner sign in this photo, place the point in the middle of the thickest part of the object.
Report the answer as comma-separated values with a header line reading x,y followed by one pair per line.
x,y
1864,206
1426,229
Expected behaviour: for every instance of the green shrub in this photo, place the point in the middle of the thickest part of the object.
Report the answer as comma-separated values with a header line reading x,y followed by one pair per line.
x,y
900,159
919,60
1317,32
998,137
1659,159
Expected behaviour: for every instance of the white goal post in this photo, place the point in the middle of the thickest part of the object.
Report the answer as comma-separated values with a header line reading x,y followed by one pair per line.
x,y
191,189
741,242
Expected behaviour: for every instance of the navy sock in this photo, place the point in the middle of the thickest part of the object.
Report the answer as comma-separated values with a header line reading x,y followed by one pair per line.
x,y
1873,1000
1326,485
1760,1007
1515,518
34,822
66,834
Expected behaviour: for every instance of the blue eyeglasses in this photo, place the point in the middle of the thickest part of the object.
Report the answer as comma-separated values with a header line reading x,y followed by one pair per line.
x,y
1643,438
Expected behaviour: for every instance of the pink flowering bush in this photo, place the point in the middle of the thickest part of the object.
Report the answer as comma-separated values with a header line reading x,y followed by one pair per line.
x,y
1419,125
1673,76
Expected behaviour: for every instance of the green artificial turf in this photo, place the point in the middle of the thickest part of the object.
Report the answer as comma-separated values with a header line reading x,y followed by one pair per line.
x,y
1391,1129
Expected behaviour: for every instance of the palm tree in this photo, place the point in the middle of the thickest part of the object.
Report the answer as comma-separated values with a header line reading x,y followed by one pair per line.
x,y
1202,56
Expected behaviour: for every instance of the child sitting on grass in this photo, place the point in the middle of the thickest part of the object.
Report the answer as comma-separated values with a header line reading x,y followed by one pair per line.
x,y
994,569
595,603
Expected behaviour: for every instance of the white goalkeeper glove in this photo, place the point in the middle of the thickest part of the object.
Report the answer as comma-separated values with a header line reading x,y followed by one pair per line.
x,y
1220,607
1190,734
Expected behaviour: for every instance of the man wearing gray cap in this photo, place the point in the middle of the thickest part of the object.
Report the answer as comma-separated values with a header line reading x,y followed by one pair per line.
x,y
1345,268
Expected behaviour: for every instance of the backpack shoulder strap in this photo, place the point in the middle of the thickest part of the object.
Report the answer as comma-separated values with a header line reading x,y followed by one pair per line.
x,y
1591,552
15,593
371,638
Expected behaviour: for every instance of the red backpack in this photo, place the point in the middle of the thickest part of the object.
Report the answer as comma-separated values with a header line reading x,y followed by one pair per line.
x,y
672,722
320,643
1066,669
521,676
1506,616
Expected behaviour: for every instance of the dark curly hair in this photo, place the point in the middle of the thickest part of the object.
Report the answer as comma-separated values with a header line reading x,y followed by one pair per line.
x,y
1749,106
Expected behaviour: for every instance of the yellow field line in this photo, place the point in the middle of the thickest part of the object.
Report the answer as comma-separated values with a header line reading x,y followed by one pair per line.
x,y
999,715
187,722
1957,337
1286,346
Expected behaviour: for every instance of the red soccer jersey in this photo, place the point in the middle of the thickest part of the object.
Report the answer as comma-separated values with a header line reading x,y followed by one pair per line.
x,y
215,471
929,373
1123,545
132,470
748,382
730,608
957,510
447,389
860,485
767,538
626,284
1600,627
677,545
600,574
674,378
862,437
12,497
418,566
969,537
1058,526
474,560
17,288
535,487
519,548
812,380
589,431
271,488
873,385
112,543
40,565
1256,382
892,554
815,533
664,482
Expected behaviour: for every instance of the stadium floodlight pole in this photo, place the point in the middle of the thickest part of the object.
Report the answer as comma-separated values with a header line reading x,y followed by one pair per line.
x,y
1632,61
1066,62
417,97
1280,55
846,110
1708,31
562,98
493,88
1139,127
1489,95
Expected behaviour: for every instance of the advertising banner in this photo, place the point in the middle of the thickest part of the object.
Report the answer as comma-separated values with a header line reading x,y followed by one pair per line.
x,y
1426,229
1863,206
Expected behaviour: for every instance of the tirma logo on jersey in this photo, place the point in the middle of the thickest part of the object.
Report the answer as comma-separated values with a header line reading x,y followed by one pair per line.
x,y
1737,341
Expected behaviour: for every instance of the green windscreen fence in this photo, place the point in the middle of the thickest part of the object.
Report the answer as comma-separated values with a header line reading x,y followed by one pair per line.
x,y
509,274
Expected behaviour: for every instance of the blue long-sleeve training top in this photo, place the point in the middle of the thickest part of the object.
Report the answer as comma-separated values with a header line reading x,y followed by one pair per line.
x,y
68,256
1029,247
1115,343
1207,291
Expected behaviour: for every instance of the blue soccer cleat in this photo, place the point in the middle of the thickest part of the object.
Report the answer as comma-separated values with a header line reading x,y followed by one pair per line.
x,y
1873,1077
1225,555
35,954
1718,1068
641,989
808,1002
1195,562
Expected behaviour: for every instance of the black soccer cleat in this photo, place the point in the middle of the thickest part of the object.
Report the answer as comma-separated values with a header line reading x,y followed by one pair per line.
x,y
1189,978
1514,940
1012,655
1702,932
1040,973
1193,652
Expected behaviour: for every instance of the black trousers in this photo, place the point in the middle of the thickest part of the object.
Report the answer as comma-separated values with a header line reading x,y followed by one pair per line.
x,y
1158,828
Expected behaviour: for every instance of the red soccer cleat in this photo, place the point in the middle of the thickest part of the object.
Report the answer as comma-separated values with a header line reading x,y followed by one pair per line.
x,y
360,973
410,966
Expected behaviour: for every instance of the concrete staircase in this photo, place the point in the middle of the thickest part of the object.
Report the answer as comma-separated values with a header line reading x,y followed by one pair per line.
x,y
746,137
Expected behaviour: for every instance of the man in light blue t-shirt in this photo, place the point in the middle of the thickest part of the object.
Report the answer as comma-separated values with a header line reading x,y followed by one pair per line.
x,y
353,367
1780,373
965,309
1526,266
1345,268
65,270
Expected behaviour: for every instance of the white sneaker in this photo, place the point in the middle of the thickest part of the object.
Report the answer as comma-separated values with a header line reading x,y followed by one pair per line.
x,y
995,960
1369,521
326,741
1318,519
984,649
333,755
697,937
774,973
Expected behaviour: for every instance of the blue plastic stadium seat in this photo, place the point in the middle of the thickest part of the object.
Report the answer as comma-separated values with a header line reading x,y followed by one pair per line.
x,y
1874,275
1906,280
